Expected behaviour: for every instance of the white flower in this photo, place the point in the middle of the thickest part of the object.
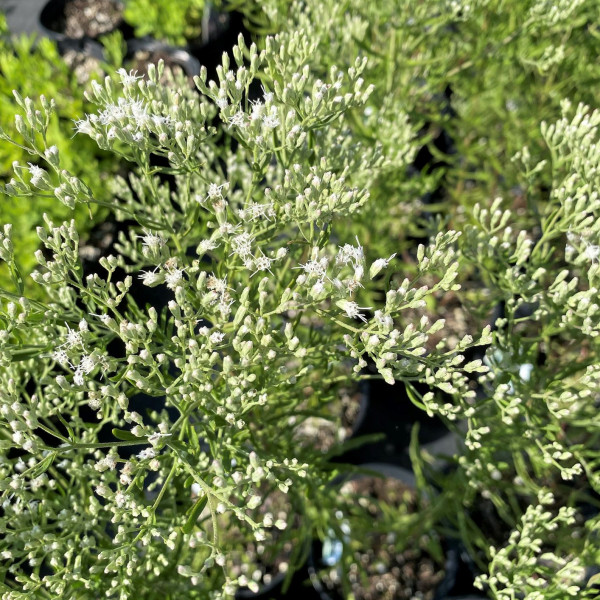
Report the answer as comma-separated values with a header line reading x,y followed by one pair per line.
x,y
317,268
173,278
73,338
224,306
139,113
217,285
262,263
108,462
113,113
352,309
592,252
271,121
267,96
102,490
152,241
379,264
37,174
254,210
384,320
120,498
87,363
206,246
86,366
220,205
226,228
84,126
350,254
359,272
105,319
216,337
257,110
60,356
51,153
160,120
317,289
572,237
38,482
150,278
254,502
146,453
259,535
215,191
238,120
128,79
242,244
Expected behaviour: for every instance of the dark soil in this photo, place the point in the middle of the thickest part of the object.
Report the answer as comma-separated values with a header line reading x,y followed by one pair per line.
x,y
380,569
84,67
352,407
386,490
272,557
91,18
324,433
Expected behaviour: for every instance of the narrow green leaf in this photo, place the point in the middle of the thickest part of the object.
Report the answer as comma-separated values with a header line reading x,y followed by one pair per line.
x,y
27,352
125,436
194,513
594,580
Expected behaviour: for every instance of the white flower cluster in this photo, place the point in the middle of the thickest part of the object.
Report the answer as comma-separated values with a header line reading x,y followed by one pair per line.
x,y
268,292
510,568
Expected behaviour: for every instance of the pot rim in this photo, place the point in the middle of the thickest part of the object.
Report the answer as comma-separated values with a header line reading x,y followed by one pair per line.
x,y
50,10
189,63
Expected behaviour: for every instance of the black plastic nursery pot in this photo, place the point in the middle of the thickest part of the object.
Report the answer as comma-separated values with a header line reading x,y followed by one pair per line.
x,y
142,51
329,435
78,19
215,24
220,32
76,26
390,413
411,573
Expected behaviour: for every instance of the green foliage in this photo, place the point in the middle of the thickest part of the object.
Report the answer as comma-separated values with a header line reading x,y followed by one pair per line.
x,y
115,49
33,68
506,66
556,576
281,231
175,21
242,228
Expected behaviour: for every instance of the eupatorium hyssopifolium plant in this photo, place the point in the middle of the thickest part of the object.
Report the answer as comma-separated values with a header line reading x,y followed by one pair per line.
x,y
485,72
106,492
174,22
534,251
532,440
35,67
